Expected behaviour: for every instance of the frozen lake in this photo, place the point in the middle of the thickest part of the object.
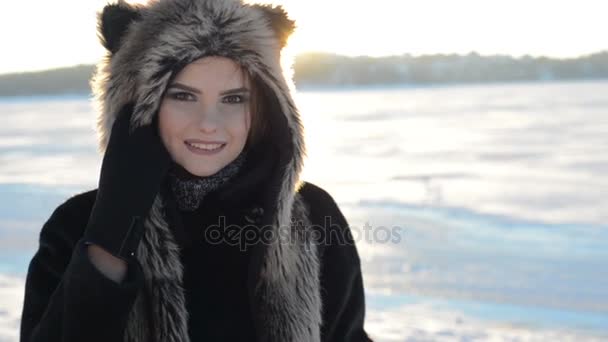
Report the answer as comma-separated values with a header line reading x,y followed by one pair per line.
x,y
496,196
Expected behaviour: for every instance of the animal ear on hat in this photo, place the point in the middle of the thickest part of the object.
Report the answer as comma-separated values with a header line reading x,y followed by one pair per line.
x,y
113,22
279,21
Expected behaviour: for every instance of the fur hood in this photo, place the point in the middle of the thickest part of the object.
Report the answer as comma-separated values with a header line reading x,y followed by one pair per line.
x,y
146,46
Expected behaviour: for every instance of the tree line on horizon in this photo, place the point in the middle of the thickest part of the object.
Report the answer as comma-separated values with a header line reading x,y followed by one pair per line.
x,y
330,70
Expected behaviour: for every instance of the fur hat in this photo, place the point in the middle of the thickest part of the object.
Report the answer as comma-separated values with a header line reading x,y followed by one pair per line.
x,y
147,45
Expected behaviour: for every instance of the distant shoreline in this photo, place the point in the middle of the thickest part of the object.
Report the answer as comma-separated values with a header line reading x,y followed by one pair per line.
x,y
318,88
397,86
319,71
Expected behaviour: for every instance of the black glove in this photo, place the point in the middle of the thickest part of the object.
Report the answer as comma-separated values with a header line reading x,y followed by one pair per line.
x,y
133,168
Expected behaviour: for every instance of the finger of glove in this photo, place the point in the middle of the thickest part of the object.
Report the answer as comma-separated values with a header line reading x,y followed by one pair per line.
x,y
137,160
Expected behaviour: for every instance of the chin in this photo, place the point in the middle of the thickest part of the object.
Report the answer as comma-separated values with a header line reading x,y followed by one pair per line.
x,y
201,166
206,166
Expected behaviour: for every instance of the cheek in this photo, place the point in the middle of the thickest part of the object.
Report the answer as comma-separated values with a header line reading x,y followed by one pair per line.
x,y
236,122
163,127
170,124
243,125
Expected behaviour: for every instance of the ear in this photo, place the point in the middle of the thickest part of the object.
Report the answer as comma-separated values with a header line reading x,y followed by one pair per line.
x,y
113,22
279,21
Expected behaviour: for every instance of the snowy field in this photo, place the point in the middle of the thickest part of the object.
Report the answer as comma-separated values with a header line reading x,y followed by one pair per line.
x,y
495,197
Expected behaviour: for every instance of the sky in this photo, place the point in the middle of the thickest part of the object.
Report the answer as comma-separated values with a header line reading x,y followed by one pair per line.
x,y
63,32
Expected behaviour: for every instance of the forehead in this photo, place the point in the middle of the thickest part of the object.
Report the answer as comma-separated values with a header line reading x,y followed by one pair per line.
x,y
213,73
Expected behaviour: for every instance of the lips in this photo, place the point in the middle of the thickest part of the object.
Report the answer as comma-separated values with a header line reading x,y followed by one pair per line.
x,y
204,147
208,147
205,144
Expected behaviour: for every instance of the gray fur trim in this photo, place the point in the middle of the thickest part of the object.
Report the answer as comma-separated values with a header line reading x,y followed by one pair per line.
x,y
288,293
163,296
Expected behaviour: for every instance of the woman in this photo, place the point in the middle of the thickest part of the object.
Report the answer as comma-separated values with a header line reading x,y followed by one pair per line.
x,y
200,228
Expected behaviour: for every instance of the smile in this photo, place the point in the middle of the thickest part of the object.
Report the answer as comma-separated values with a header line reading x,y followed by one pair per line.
x,y
204,149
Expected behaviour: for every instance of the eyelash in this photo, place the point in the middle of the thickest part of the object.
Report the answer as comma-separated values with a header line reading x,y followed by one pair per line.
x,y
230,99
241,99
182,96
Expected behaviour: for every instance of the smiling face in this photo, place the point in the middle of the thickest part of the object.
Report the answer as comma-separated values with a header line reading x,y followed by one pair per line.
x,y
204,117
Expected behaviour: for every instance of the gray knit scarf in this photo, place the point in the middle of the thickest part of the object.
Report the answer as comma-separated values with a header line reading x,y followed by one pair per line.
x,y
189,190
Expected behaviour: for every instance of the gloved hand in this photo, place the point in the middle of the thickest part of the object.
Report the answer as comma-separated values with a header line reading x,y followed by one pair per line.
x,y
133,168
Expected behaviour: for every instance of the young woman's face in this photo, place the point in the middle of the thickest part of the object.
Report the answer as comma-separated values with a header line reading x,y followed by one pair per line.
x,y
204,116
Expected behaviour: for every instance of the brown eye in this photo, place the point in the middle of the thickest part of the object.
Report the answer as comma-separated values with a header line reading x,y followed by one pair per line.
x,y
182,96
234,99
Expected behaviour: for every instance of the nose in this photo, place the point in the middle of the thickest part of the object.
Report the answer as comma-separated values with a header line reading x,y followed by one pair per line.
x,y
208,119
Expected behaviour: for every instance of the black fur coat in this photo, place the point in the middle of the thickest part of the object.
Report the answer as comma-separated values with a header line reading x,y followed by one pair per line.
x,y
68,299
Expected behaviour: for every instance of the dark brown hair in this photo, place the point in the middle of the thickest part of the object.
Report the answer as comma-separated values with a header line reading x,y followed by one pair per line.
x,y
257,109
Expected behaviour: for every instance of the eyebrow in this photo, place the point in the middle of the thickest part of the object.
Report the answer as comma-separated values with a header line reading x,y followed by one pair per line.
x,y
194,90
235,91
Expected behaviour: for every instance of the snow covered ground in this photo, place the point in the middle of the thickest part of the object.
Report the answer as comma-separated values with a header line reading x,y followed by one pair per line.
x,y
494,195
